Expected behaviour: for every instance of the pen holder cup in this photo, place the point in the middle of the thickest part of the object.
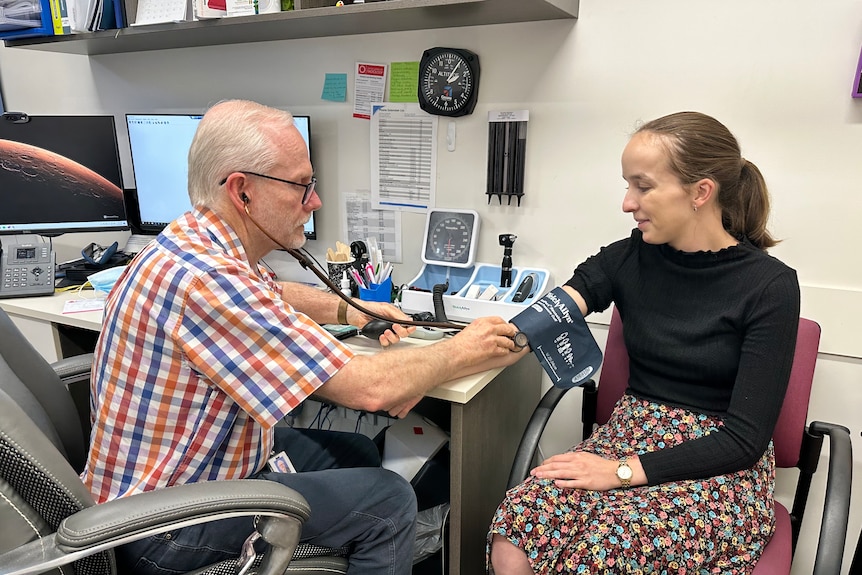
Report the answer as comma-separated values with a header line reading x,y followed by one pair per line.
x,y
336,272
377,292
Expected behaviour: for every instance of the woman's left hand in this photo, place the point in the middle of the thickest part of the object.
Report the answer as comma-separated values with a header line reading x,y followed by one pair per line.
x,y
580,470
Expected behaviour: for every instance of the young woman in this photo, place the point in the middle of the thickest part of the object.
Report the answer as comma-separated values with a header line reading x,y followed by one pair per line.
x,y
681,477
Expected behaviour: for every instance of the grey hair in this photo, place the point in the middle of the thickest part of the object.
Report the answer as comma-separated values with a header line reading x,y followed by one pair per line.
x,y
233,135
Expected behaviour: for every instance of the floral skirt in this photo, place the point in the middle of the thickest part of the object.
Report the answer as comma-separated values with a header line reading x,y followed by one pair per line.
x,y
717,525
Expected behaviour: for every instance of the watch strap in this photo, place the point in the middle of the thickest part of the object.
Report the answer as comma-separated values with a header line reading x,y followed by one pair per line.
x,y
342,312
625,482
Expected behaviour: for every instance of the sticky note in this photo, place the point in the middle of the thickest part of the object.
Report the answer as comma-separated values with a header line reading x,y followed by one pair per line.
x,y
404,82
335,88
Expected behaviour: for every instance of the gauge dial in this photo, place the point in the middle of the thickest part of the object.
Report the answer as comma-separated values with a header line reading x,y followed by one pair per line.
x,y
450,237
448,81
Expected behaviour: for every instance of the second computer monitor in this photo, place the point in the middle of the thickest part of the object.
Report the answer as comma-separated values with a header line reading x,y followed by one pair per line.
x,y
160,149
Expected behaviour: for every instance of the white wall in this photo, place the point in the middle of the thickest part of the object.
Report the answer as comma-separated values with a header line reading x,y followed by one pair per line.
x,y
778,73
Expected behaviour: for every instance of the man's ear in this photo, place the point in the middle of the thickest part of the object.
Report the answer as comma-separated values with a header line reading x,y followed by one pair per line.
x,y
236,187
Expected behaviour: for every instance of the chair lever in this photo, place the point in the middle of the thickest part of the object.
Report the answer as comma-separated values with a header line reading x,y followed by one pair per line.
x,y
247,555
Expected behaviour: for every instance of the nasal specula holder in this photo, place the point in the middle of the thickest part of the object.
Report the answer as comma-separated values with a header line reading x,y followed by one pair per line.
x,y
560,338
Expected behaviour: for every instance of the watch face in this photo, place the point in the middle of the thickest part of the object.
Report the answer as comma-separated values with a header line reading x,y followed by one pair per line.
x,y
450,237
624,472
448,81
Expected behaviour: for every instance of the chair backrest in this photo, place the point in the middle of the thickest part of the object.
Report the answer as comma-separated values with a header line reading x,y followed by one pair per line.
x,y
614,378
38,487
37,389
789,429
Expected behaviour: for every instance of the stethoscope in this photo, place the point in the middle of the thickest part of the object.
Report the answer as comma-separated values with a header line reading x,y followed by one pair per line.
x,y
305,263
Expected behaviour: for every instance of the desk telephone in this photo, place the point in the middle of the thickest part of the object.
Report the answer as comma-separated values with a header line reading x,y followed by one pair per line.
x,y
26,266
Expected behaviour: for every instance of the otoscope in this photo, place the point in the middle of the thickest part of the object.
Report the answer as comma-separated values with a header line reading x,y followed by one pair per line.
x,y
507,241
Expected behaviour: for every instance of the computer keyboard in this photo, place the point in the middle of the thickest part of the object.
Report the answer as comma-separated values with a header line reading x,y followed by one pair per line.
x,y
136,243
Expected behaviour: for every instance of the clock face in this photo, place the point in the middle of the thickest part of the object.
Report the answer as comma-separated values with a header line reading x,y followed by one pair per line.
x,y
448,81
450,237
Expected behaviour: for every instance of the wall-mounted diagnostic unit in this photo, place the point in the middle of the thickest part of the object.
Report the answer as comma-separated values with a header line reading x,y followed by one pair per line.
x,y
465,289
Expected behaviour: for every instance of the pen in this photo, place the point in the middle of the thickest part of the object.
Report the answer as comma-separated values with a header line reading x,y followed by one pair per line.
x,y
358,278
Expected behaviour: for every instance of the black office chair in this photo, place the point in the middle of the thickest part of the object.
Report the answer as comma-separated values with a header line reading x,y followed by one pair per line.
x,y
49,519
796,445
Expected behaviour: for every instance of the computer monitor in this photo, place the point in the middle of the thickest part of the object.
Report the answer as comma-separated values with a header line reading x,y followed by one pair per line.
x,y
160,150
59,174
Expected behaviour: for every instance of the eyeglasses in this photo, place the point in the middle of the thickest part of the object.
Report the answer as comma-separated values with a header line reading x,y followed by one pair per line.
x,y
309,187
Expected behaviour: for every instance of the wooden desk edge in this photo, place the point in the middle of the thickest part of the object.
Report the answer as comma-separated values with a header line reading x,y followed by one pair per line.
x,y
50,309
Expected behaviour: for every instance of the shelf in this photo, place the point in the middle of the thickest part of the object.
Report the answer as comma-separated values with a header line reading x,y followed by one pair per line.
x,y
368,18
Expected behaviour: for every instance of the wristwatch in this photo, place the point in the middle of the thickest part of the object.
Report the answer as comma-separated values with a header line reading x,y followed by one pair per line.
x,y
624,473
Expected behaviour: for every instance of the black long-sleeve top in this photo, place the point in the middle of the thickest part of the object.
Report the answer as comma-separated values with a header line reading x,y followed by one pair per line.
x,y
713,332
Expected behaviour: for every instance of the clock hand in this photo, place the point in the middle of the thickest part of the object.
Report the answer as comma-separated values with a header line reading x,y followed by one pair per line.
x,y
452,76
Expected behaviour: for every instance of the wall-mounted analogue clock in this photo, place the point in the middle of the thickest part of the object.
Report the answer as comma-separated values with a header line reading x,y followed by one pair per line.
x,y
448,81
450,237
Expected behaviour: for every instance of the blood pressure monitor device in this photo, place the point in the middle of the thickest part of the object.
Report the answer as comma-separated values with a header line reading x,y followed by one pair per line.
x,y
450,237
472,289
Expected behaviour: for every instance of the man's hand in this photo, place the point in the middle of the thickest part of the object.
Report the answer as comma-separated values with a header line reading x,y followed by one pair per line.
x,y
390,336
487,337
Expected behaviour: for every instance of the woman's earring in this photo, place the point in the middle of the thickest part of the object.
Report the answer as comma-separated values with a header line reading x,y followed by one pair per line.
x,y
695,207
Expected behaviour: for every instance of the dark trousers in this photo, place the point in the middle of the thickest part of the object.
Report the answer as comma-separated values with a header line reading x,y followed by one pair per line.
x,y
353,502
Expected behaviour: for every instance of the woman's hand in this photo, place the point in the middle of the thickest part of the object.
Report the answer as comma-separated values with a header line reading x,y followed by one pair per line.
x,y
582,470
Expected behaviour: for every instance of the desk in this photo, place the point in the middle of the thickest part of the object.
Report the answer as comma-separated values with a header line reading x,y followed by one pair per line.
x,y
489,413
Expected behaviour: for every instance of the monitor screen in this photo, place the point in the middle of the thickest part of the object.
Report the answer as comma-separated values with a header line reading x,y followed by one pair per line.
x,y
160,148
60,174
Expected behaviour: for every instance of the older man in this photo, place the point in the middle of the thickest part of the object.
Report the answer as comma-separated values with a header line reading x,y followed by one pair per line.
x,y
203,352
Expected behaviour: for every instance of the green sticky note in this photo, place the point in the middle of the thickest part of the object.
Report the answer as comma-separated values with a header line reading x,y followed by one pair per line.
x,y
335,88
403,81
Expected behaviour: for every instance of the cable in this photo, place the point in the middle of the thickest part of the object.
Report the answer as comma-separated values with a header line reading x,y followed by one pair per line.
x,y
437,298
310,255
359,422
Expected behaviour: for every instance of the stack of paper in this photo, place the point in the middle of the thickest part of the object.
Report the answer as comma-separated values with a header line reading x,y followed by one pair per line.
x,y
16,14
92,15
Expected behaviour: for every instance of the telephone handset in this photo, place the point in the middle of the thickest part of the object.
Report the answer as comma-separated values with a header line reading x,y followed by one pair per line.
x,y
26,266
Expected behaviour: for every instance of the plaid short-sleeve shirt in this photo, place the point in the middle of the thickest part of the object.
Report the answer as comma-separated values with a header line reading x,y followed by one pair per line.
x,y
197,360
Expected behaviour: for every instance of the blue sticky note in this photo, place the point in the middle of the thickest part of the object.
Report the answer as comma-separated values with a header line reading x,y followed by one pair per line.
x,y
335,88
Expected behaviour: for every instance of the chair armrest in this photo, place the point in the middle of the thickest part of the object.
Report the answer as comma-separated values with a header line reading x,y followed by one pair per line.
x,y
532,434
836,509
108,525
75,368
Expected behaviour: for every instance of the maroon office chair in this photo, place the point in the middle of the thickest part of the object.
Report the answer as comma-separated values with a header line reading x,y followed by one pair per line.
x,y
795,446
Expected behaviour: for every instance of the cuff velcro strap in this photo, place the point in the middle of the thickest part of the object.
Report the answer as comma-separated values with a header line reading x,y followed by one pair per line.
x,y
342,312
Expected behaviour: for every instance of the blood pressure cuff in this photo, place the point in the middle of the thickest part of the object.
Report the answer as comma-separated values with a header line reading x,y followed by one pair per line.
x,y
560,338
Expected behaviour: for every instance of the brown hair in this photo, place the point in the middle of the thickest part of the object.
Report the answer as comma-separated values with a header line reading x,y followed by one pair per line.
x,y
700,146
